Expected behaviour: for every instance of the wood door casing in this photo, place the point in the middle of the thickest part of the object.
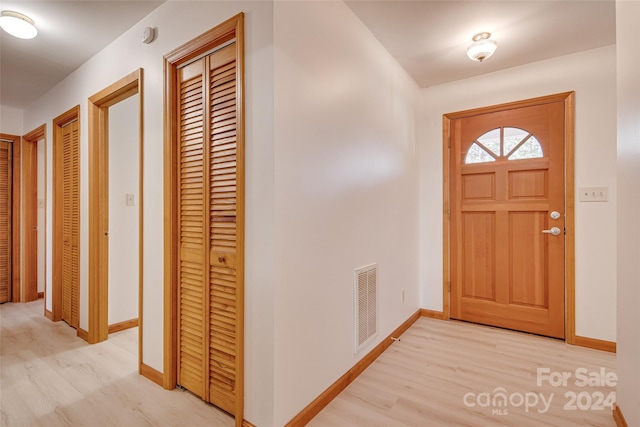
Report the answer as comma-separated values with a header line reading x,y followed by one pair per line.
x,y
98,234
70,224
29,221
35,137
6,183
14,287
504,271
204,200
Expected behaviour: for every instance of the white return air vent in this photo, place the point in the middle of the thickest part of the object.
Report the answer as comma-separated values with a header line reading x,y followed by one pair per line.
x,y
366,305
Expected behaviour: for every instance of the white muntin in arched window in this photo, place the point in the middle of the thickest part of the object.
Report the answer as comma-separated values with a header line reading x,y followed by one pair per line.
x,y
508,142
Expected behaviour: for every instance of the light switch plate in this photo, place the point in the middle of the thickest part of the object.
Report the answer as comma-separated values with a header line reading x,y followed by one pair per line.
x,y
131,199
593,194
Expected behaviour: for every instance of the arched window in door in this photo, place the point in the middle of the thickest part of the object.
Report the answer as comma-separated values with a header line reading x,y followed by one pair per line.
x,y
509,143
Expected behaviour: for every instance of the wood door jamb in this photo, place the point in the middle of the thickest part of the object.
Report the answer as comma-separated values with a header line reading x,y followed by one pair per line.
x,y
217,36
33,137
568,99
15,215
98,107
37,134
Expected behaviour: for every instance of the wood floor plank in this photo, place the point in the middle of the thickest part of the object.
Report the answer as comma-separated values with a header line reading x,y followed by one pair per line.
x,y
421,381
50,377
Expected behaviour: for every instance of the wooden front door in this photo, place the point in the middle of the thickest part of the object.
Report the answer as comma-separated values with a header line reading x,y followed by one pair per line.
x,y
70,223
507,198
5,220
208,224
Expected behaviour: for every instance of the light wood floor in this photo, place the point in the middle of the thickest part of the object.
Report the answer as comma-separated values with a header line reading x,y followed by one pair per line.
x,y
50,377
421,381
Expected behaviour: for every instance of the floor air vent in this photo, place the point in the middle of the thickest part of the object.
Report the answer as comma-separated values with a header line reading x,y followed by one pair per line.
x,y
366,305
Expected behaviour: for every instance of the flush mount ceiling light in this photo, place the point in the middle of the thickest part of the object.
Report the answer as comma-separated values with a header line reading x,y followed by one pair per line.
x,y
482,47
17,24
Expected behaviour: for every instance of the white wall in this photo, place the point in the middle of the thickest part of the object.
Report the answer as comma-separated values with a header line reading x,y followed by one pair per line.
x,y
345,193
342,184
592,75
11,120
628,356
178,22
124,172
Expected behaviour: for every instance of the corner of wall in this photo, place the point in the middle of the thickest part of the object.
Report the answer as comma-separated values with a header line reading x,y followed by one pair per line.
x,y
628,231
11,120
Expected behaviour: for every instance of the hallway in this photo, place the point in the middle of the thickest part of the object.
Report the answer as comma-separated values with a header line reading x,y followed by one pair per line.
x,y
49,377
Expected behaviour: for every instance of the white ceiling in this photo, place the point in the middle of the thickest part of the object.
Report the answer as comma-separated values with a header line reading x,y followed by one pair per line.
x,y
428,38
69,33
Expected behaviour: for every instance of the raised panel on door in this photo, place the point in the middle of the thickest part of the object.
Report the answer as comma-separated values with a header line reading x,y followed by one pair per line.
x,y
528,271
70,224
5,220
478,255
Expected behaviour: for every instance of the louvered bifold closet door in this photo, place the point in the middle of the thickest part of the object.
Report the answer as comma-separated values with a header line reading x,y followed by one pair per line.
x,y
70,224
223,228
5,220
192,216
207,195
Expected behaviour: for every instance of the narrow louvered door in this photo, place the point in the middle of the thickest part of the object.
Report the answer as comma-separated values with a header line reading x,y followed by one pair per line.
x,y
223,190
207,227
193,261
70,224
5,221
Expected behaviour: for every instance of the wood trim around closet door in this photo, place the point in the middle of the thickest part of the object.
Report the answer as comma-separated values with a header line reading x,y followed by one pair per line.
x,y
15,215
39,134
98,107
57,209
216,38
13,285
29,222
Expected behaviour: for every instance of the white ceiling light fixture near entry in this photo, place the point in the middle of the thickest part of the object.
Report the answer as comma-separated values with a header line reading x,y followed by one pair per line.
x,y
17,24
482,47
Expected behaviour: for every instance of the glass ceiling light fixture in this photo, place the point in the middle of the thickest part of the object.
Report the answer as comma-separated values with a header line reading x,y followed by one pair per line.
x,y
482,47
17,24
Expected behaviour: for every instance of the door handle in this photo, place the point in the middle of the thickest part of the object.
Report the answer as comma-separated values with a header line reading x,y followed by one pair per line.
x,y
554,231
